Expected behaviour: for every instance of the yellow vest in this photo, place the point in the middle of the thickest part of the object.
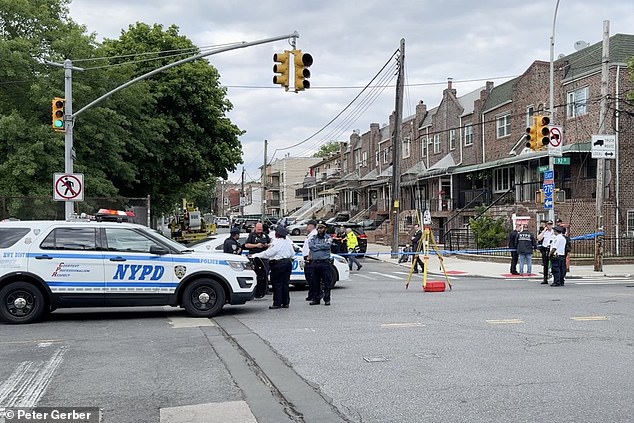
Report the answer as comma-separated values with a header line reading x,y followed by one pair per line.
x,y
351,241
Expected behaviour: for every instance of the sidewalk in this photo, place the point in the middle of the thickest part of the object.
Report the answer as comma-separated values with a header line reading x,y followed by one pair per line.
x,y
455,265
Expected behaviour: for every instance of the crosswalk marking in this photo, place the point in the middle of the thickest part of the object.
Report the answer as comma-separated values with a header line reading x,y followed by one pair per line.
x,y
602,281
589,318
428,273
387,276
505,321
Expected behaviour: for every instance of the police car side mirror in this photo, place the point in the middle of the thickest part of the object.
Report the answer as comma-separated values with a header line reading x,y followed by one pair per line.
x,y
158,250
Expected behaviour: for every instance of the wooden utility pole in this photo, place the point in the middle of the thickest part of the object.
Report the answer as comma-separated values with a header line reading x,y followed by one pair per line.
x,y
605,60
396,147
242,197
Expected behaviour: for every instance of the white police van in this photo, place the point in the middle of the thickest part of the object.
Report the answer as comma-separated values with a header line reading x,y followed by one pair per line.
x,y
46,265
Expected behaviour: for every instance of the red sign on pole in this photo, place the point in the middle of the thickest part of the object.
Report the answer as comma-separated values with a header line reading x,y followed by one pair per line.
x,y
68,187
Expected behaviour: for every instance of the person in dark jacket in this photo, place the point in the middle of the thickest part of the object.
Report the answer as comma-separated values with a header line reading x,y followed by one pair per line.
x,y
512,246
231,244
416,247
525,245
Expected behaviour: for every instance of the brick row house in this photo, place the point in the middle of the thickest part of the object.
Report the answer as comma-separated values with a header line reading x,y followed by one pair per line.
x,y
470,151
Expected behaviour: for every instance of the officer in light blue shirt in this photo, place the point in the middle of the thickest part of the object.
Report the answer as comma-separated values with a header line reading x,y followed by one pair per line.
x,y
319,255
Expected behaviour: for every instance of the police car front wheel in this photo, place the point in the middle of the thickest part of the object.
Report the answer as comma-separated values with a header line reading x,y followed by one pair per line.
x,y
204,298
21,302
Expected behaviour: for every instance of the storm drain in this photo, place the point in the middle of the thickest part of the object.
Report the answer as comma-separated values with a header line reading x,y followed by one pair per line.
x,y
375,358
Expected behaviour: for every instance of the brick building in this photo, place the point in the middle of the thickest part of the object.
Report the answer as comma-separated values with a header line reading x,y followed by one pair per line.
x,y
470,150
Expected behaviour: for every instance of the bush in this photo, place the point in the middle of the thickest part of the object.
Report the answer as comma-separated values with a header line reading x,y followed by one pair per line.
x,y
488,232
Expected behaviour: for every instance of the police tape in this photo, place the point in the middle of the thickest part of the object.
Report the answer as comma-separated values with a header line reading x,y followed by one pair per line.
x,y
476,251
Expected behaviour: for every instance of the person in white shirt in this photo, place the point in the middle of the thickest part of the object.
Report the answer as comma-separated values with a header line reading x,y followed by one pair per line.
x,y
311,229
280,255
545,237
558,256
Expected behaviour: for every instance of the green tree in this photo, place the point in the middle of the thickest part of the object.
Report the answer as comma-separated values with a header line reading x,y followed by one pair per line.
x,y
327,149
489,232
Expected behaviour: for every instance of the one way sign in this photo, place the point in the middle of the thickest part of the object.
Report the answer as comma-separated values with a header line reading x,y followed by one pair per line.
x,y
604,147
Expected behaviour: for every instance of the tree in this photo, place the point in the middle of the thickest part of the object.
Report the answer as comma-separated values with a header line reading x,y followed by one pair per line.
x,y
156,137
488,232
327,149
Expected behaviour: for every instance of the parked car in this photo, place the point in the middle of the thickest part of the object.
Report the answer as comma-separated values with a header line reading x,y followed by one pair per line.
x,y
214,244
297,228
222,222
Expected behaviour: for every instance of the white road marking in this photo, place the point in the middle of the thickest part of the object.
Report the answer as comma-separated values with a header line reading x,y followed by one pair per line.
x,y
428,274
387,276
179,322
589,318
402,325
602,282
226,412
29,381
363,276
505,321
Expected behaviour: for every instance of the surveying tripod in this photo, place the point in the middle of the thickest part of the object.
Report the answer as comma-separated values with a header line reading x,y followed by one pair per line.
x,y
426,240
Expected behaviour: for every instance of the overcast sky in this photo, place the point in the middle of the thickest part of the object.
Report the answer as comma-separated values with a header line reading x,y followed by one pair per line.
x,y
350,42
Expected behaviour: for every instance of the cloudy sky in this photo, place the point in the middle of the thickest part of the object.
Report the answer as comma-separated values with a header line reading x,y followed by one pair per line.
x,y
351,41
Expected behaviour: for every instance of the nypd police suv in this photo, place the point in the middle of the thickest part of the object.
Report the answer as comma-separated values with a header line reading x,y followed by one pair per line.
x,y
46,265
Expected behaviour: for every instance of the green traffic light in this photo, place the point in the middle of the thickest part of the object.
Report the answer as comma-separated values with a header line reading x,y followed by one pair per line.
x,y
59,123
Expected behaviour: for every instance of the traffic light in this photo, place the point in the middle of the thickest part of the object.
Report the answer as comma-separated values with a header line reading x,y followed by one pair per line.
x,y
538,135
281,69
543,131
302,73
57,106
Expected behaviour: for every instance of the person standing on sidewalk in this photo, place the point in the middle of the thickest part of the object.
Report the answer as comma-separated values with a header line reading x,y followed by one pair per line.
x,y
319,247
352,243
256,242
513,246
525,245
545,237
280,258
311,229
558,256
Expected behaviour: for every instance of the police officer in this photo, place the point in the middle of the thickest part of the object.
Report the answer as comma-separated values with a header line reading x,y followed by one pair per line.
x,y
311,229
280,257
231,244
545,237
256,242
319,247
557,256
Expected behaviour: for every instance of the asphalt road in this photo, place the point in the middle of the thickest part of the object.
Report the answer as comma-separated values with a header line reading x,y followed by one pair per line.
x,y
486,351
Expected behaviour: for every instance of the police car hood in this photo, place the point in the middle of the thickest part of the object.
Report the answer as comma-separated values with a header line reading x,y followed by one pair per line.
x,y
218,256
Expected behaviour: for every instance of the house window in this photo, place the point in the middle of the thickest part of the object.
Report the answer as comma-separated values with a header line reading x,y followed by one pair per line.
x,y
386,155
436,143
452,139
364,159
424,144
630,222
406,147
357,158
468,134
530,111
345,165
502,178
504,125
577,102
376,157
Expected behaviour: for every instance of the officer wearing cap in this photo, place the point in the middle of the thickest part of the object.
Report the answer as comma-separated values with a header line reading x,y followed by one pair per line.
x,y
311,229
319,247
280,257
545,237
557,256
231,244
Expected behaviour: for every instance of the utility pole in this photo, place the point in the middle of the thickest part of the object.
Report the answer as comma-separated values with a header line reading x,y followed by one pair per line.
x,y
605,61
396,146
242,197
551,102
264,183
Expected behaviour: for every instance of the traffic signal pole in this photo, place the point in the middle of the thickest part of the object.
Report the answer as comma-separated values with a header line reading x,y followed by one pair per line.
x,y
69,116
551,101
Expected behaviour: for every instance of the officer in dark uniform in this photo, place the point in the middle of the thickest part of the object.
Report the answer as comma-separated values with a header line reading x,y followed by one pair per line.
x,y
319,247
256,242
231,244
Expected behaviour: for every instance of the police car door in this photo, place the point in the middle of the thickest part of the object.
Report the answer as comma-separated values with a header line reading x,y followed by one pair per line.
x,y
69,260
135,275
